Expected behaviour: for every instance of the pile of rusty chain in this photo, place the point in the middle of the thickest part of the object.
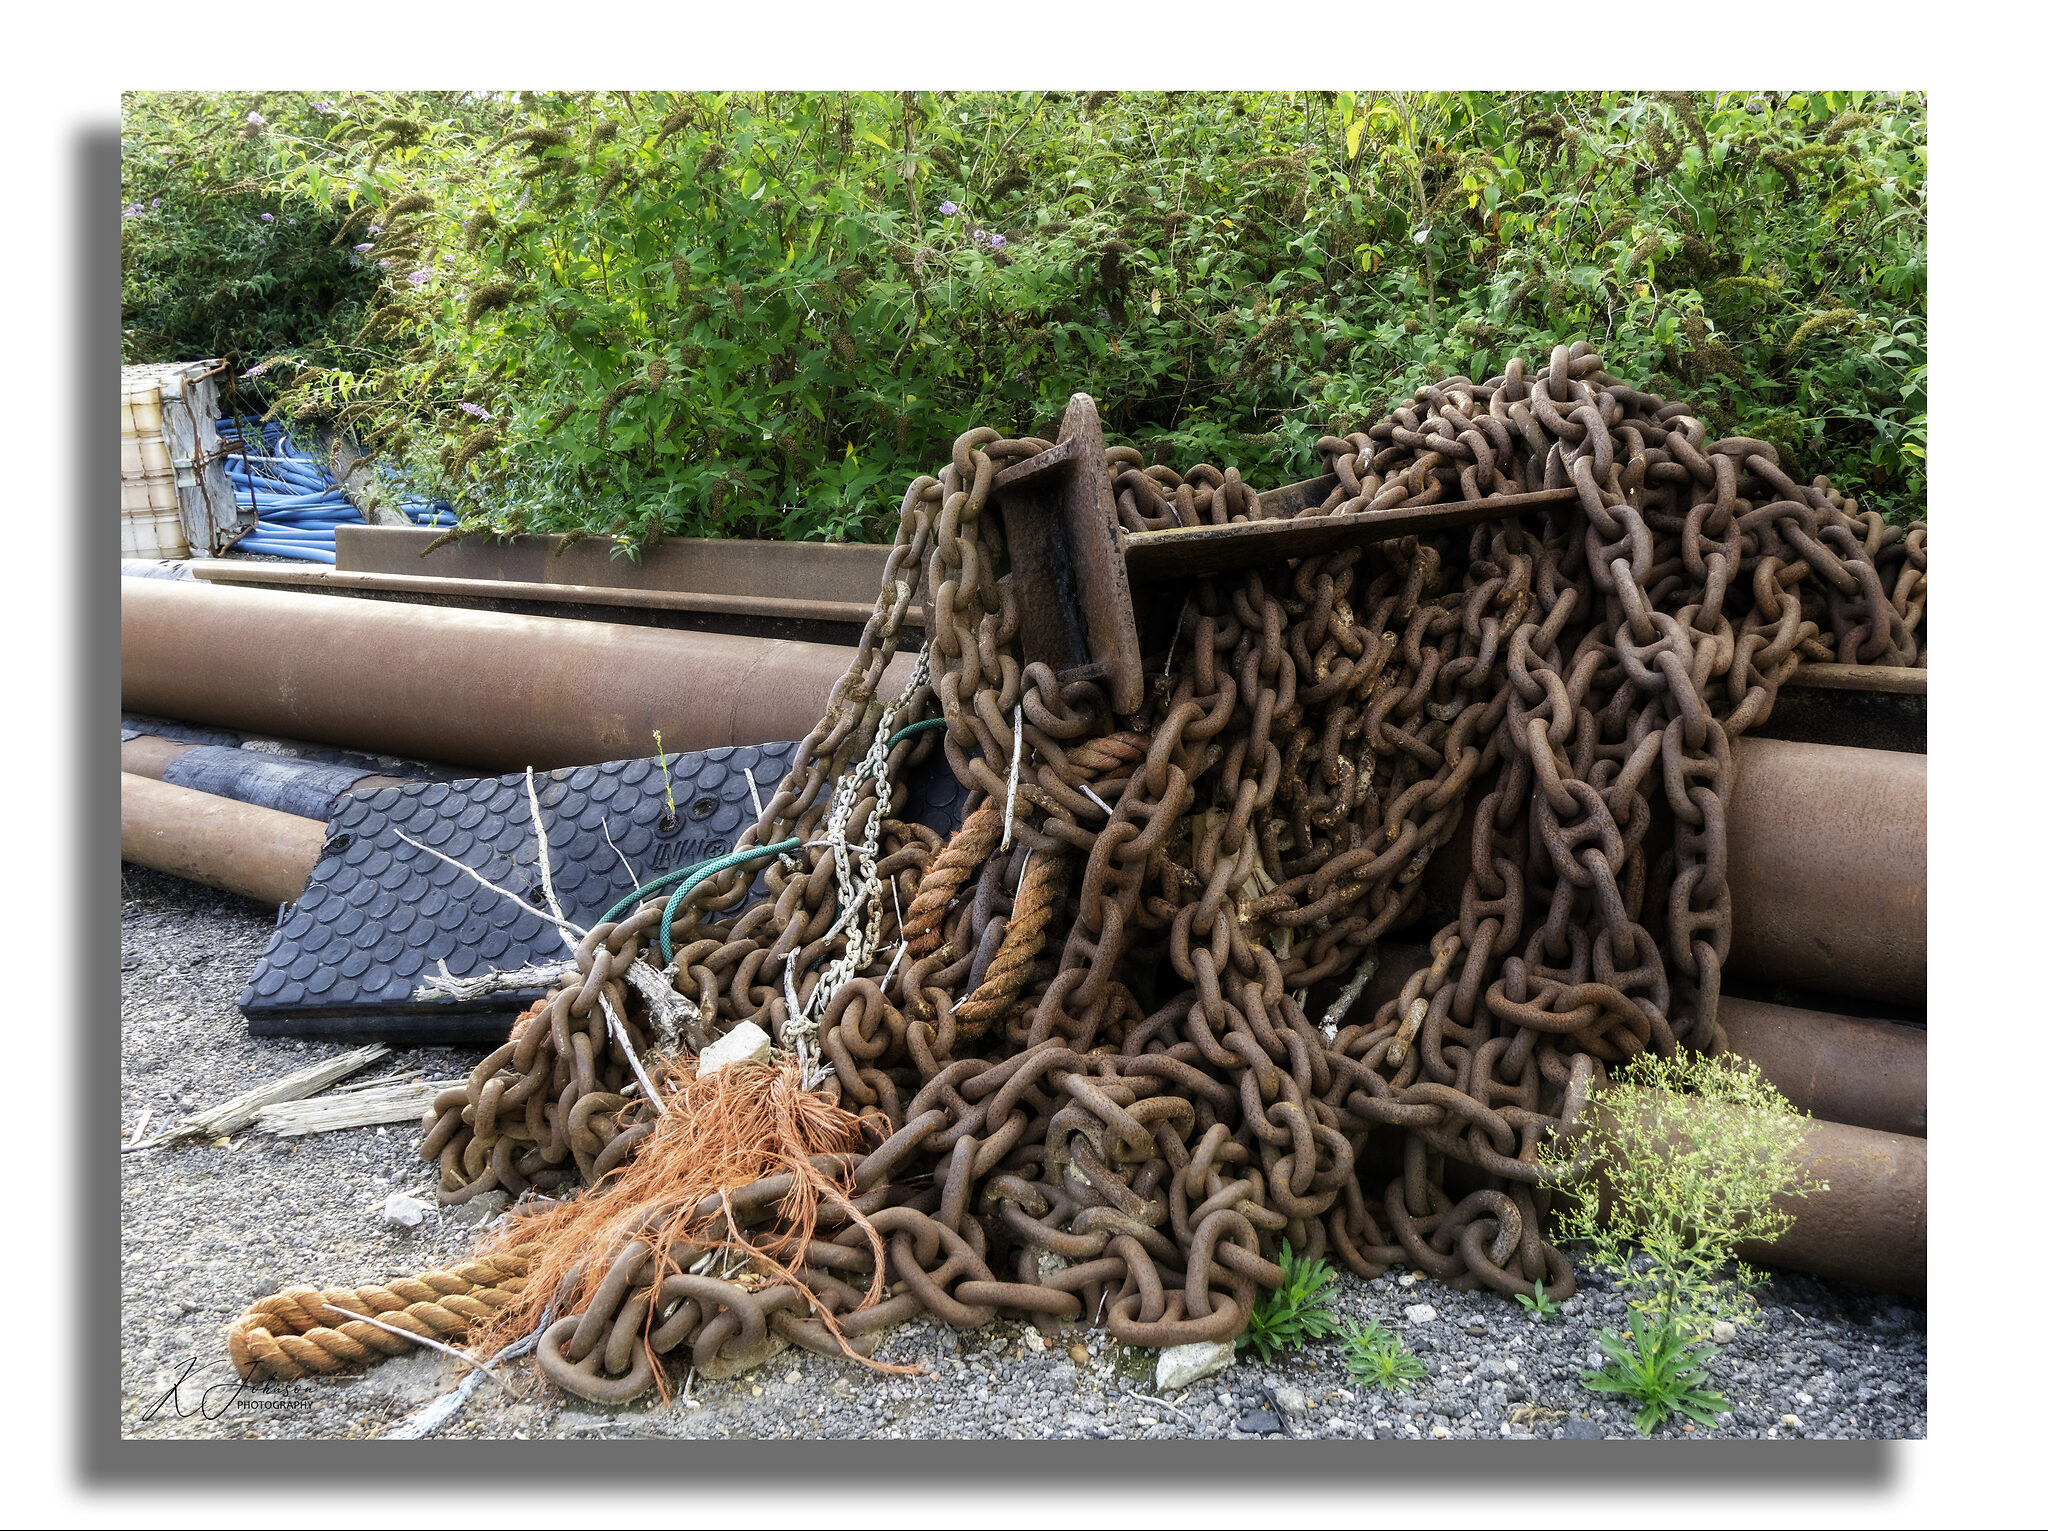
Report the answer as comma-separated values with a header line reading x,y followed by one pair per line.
x,y
1092,1057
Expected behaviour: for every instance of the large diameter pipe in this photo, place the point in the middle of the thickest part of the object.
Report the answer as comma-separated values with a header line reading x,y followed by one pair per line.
x,y
236,847
1865,1216
1870,1224
496,691
1827,867
1835,1067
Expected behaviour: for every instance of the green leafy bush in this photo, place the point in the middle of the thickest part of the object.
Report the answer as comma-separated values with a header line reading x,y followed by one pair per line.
x,y
217,259
1378,1357
759,314
1297,1311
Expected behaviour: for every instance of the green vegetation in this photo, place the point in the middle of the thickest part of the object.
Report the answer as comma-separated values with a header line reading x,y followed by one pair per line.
x,y
218,258
749,314
1690,1156
1378,1357
1297,1311
1538,1307
1661,1368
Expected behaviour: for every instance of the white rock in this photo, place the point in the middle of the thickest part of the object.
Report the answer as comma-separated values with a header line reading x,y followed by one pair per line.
x,y
1420,1313
1180,1365
1723,1331
745,1043
1290,1400
1033,1340
406,1211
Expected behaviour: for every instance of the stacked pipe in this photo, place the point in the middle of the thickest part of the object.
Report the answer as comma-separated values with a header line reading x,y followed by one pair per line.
x,y
298,504
1827,859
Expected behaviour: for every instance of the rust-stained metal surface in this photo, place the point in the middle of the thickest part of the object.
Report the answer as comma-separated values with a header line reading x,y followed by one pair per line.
x,y
1836,1067
1827,868
829,571
1177,553
485,689
1870,1223
236,847
1827,854
802,618
1074,610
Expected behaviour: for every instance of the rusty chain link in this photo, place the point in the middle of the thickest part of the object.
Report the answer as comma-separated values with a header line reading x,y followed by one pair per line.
x,y
1089,1059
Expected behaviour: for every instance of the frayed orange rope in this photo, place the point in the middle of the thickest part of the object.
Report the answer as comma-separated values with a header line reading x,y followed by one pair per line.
x,y
740,1124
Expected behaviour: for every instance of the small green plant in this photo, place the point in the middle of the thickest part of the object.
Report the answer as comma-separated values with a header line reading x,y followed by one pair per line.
x,y
1376,1356
1295,1313
1687,1158
1539,1305
1662,1368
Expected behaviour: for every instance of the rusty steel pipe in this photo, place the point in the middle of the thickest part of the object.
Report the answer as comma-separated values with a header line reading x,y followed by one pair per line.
x,y
1827,867
236,847
1827,864
495,691
1835,1067
1838,1068
1869,1225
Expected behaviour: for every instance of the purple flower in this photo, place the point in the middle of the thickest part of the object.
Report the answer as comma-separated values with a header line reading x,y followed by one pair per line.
x,y
132,210
948,209
258,370
376,228
981,236
475,409
361,247
256,120
419,276
323,107
385,264
156,201
267,217
996,241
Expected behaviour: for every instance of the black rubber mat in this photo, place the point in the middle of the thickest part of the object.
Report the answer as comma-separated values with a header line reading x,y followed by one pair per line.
x,y
379,914
307,788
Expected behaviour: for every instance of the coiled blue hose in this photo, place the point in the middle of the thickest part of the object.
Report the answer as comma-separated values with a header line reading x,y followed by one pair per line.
x,y
298,504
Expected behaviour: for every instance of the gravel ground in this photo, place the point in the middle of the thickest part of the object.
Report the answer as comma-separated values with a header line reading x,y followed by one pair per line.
x,y
207,1228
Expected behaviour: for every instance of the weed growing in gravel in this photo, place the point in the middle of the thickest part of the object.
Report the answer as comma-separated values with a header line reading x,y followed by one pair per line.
x,y
1376,1356
1539,1306
1662,1368
1297,1312
1690,1156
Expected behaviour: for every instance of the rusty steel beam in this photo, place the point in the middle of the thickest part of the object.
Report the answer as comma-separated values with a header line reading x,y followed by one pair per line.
x,y
236,847
1835,1067
1827,868
825,571
490,690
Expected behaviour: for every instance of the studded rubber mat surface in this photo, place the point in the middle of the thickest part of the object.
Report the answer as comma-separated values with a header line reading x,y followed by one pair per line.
x,y
379,914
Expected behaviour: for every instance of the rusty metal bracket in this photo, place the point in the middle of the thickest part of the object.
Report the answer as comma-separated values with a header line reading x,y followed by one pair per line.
x,y
1072,565
1074,608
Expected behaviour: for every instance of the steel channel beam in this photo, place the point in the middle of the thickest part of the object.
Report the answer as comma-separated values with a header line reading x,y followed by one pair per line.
x,y
488,689
236,847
